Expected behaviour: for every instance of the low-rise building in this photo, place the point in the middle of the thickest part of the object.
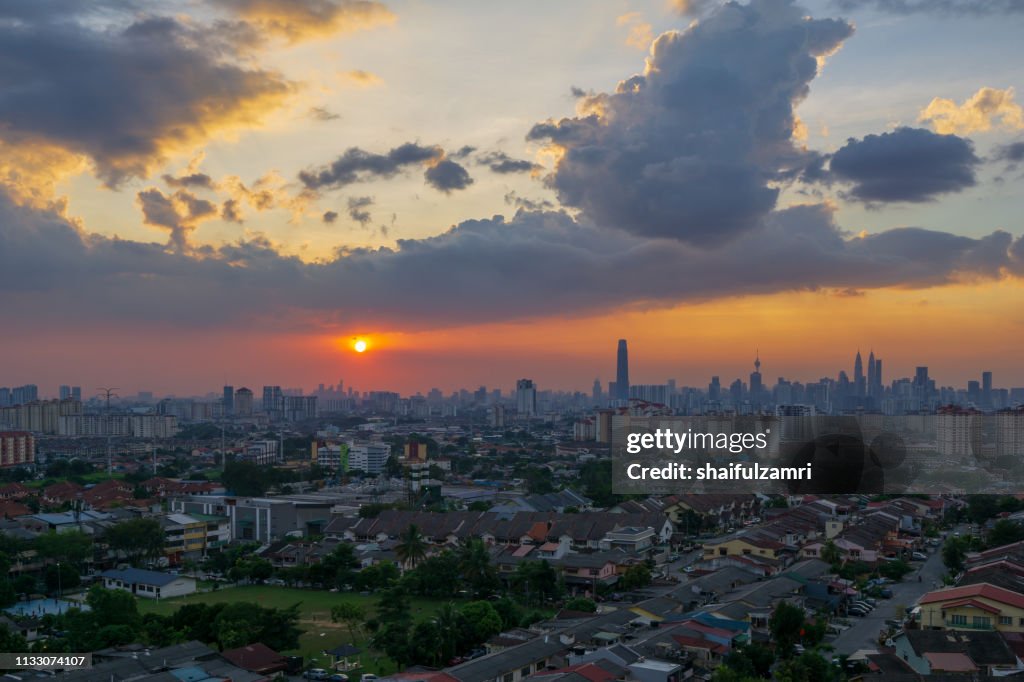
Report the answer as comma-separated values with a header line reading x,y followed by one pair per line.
x,y
149,584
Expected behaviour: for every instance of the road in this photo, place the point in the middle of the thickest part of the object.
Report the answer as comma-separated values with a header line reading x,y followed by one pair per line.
x,y
863,632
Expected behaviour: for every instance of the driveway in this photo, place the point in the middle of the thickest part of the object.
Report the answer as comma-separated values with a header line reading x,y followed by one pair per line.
x,y
863,632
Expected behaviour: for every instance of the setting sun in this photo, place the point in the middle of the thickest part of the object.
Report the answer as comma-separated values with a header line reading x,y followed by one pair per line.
x,y
360,346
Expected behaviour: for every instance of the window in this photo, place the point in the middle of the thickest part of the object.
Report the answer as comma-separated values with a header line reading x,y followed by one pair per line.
x,y
525,672
981,622
1005,620
958,620
1020,622
508,677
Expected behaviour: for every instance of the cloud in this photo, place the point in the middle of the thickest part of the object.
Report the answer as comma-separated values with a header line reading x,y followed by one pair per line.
x,y
691,7
513,199
330,217
231,211
357,209
179,213
363,79
124,96
297,20
939,7
976,114
447,176
641,33
1013,152
52,270
357,165
695,146
907,165
195,180
323,114
503,164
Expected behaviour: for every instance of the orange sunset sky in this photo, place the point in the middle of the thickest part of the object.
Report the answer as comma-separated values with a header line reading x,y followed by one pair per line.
x,y
205,192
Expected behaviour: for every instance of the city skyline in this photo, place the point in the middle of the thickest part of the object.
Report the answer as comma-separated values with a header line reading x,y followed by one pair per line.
x,y
280,178
863,383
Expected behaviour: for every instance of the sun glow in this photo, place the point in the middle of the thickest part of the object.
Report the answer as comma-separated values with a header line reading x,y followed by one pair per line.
x,y
360,346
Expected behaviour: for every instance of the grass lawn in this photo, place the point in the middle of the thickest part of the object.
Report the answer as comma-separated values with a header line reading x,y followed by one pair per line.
x,y
314,619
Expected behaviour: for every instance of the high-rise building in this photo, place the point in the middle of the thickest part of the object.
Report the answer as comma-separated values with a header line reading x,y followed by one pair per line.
x,y
622,373
243,402
986,389
229,400
76,393
273,401
17,448
756,385
871,373
64,392
597,394
526,398
858,376
715,389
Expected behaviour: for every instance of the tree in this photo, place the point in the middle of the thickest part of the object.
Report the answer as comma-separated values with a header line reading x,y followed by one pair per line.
x,y
246,478
393,606
243,623
481,622
138,539
786,626
412,547
953,554
1005,532
581,604
378,576
73,547
537,582
751,661
830,553
393,639
476,568
451,627
62,576
511,614
8,597
433,577
341,565
113,607
260,569
636,576
352,615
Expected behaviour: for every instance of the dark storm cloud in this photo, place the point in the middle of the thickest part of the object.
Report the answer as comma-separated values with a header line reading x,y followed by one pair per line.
x,y
447,176
330,217
692,148
357,209
123,94
357,165
906,165
231,211
503,164
533,265
946,7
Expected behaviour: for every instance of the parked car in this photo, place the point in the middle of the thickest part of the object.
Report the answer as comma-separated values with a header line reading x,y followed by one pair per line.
x,y
316,674
857,611
886,593
369,677
798,649
919,556
337,677
863,605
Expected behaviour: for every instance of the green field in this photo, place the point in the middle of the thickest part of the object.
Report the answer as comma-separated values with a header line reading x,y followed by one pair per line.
x,y
315,617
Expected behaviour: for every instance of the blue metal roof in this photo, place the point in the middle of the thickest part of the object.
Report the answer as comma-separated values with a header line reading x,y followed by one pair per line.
x,y
138,576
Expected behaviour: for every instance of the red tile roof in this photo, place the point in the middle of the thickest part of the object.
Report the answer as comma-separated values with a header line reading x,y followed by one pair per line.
x,y
977,590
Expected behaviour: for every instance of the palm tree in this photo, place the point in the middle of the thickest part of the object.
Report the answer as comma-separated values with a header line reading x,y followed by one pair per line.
x,y
449,626
412,547
830,553
476,568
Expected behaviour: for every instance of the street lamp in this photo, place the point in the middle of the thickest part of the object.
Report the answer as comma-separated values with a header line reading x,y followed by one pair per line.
x,y
60,591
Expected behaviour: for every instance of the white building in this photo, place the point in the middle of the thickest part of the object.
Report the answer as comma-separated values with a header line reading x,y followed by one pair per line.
x,y
368,457
149,584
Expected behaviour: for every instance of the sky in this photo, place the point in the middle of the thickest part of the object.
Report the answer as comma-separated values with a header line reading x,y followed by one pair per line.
x,y
233,191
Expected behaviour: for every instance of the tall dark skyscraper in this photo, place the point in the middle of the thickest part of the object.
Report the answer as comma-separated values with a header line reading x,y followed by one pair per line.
x,y
986,389
229,400
858,375
872,370
622,372
756,384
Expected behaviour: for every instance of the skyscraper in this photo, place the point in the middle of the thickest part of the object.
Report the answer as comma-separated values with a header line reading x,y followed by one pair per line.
x,y
597,393
872,370
756,385
858,375
229,399
622,373
986,389
526,398
243,402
